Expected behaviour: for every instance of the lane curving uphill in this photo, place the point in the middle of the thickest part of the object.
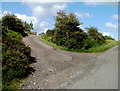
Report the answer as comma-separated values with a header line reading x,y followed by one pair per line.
x,y
56,68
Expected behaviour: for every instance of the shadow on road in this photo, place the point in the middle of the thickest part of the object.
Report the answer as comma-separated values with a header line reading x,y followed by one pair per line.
x,y
30,69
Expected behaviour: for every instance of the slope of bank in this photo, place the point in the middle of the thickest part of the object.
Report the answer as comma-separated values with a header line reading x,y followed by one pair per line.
x,y
102,48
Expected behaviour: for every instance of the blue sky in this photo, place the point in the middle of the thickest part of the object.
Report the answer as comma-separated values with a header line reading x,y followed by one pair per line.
x,y
104,16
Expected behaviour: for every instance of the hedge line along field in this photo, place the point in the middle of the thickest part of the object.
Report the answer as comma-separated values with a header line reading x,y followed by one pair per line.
x,y
69,36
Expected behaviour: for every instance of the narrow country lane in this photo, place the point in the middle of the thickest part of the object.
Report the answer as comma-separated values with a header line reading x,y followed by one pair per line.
x,y
56,68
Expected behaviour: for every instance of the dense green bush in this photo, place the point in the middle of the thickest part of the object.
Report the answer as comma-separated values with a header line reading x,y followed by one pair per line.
x,y
108,38
16,57
49,32
10,21
89,43
101,48
67,33
69,36
95,35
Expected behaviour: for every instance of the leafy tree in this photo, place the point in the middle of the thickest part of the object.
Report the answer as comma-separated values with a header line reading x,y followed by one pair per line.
x,y
10,21
92,31
49,32
95,35
28,26
66,32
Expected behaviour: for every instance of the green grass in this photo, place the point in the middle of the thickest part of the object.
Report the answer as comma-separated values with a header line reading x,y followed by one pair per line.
x,y
47,39
104,47
109,44
15,84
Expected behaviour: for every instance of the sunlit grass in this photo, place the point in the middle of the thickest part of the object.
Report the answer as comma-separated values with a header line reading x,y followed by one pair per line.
x,y
109,44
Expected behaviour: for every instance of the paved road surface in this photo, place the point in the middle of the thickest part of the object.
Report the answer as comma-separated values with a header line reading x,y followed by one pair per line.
x,y
61,69
103,76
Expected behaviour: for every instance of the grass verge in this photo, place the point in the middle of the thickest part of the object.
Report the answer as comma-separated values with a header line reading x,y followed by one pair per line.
x,y
109,44
15,84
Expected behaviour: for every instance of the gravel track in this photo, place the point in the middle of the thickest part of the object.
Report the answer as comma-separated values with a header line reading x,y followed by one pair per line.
x,y
56,68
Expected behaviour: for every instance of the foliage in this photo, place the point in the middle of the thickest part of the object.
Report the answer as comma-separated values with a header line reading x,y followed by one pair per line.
x,y
98,48
27,26
47,39
109,44
95,35
10,21
66,32
89,43
16,57
49,32
108,38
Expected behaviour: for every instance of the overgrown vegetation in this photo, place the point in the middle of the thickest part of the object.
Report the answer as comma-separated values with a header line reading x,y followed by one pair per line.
x,y
101,48
16,57
69,36
10,21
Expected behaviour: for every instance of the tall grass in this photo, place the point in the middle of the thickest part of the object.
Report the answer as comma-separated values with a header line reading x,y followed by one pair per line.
x,y
109,44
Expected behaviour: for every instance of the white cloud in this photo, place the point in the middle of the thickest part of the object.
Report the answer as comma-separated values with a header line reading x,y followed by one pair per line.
x,y
106,34
26,18
115,36
45,30
6,12
43,26
41,11
39,26
111,26
44,9
115,17
82,15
